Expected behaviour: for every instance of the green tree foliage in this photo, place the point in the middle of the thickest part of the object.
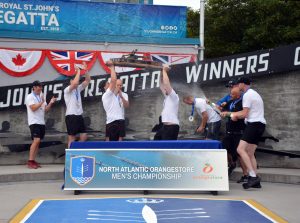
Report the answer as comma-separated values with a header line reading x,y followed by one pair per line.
x,y
192,23
237,26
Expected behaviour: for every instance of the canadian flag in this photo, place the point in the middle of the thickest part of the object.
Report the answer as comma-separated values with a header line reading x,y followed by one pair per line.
x,y
21,63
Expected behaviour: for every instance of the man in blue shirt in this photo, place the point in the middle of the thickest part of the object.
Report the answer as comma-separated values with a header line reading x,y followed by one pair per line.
x,y
223,101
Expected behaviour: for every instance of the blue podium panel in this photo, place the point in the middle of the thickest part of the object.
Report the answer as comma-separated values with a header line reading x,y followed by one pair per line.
x,y
147,210
170,144
147,165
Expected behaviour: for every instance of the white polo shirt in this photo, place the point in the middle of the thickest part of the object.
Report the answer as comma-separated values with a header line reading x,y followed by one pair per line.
x,y
113,106
254,102
37,116
170,109
202,106
73,100
125,96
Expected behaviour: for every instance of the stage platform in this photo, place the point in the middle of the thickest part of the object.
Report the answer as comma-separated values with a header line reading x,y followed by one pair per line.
x,y
145,210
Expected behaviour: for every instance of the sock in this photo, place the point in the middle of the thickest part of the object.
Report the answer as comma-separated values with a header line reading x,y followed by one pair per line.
x,y
252,173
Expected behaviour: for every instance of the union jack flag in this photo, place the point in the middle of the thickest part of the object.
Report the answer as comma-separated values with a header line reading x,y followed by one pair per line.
x,y
172,59
65,61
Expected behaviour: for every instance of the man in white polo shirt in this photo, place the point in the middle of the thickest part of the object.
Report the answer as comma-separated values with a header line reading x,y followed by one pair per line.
x,y
169,114
74,120
253,112
113,102
211,120
36,108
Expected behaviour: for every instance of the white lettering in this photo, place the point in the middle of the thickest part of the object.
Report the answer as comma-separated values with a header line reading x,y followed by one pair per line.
x,y
192,74
155,79
98,91
53,20
228,69
4,105
18,96
58,91
205,72
10,17
89,89
251,64
125,83
32,15
215,70
43,18
144,75
238,66
265,62
21,19
297,58
9,20
27,7
133,76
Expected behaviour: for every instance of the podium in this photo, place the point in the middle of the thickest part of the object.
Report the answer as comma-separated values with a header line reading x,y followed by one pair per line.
x,y
182,165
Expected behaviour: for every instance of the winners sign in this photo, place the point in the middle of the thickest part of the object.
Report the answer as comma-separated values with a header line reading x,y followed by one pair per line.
x,y
259,63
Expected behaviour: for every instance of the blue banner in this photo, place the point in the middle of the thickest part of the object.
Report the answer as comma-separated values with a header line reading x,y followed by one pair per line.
x,y
146,169
86,21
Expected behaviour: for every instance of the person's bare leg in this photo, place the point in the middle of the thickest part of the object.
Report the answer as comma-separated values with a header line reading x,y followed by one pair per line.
x,y
246,152
34,147
71,139
251,151
243,166
243,152
83,137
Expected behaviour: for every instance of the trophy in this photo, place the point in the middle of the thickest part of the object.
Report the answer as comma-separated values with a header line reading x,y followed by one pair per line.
x,y
133,60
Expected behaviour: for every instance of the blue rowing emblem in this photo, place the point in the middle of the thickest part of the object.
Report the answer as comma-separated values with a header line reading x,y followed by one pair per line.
x,y
82,169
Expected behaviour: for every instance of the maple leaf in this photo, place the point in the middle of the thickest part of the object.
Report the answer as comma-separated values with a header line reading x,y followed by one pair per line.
x,y
19,60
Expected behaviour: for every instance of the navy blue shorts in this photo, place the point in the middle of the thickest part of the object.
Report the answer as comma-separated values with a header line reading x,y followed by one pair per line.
x,y
37,131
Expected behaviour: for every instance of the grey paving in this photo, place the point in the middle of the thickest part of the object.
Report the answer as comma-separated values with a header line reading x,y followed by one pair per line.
x,y
283,199
19,185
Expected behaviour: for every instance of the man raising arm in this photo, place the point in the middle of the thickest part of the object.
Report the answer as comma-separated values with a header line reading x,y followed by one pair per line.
x,y
169,114
74,120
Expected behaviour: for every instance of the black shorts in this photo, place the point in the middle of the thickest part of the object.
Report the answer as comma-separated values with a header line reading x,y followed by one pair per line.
x,y
75,124
230,142
253,132
122,128
115,129
37,131
167,132
212,130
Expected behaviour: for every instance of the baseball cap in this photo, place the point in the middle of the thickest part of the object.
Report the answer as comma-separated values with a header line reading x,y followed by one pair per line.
x,y
37,83
231,83
244,80
102,85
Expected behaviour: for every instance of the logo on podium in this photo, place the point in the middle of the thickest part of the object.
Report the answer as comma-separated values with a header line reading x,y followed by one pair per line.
x,y
145,201
82,169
